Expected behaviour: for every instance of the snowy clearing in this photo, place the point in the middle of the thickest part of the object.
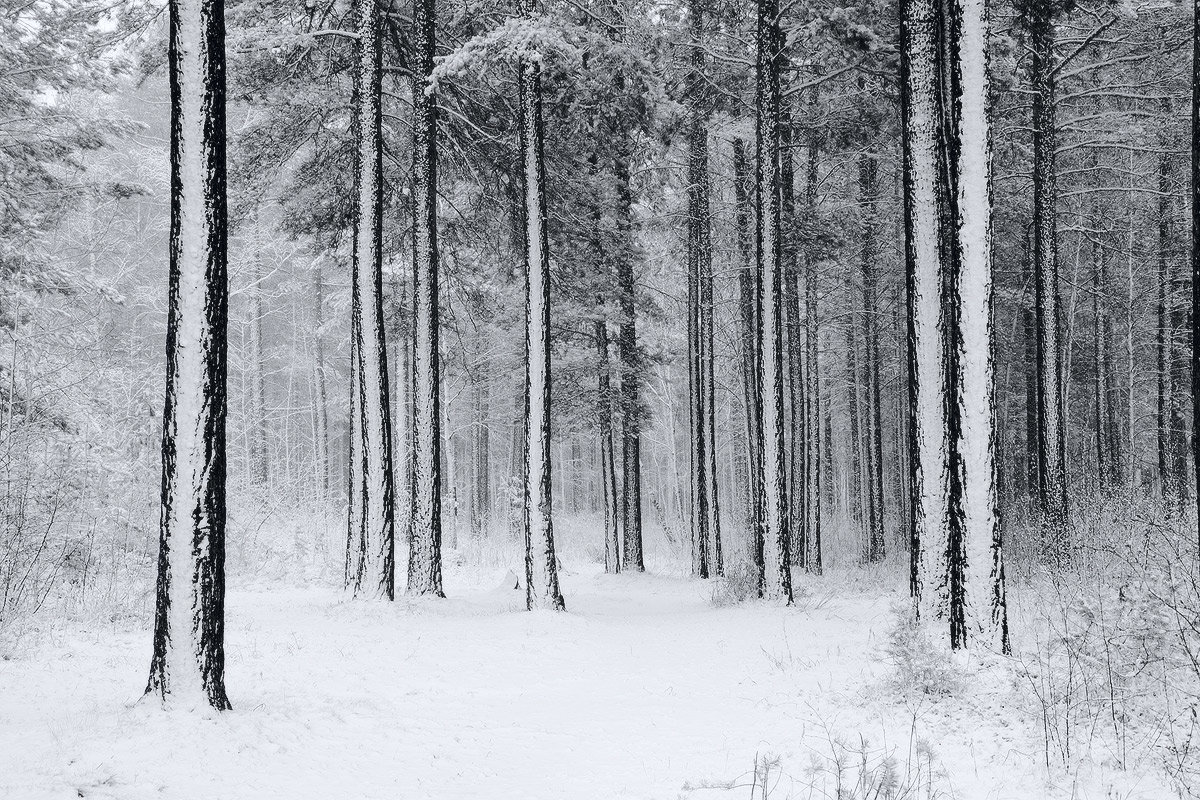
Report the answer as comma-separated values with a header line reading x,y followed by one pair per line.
x,y
644,689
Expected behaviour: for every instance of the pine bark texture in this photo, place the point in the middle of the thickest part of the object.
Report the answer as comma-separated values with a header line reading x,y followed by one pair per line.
x,y
425,534
541,564
188,662
377,503
777,579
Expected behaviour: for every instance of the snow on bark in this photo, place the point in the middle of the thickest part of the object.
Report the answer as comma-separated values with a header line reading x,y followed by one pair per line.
x,y
751,394
1195,188
541,567
425,532
985,607
1051,445
375,483
777,579
928,461
188,662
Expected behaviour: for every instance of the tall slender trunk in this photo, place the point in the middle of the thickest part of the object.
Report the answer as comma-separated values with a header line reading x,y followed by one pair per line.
x,y
872,415
631,362
481,460
1195,190
815,452
923,197
375,483
188,661
425,532
748,280
259,463
1038,19
777,578
608,473
320,399
541,565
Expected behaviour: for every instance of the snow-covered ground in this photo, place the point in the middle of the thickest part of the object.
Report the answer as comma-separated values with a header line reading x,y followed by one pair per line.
x,y
644,689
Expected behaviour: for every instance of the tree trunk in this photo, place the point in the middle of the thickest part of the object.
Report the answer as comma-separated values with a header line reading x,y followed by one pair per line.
x,y
777,579
631,364
979,607
375,483
608,473
1195,307
425,534
320,399
541,567
923,196
188,661
748,280
1051,444
872,412
814,452
259,464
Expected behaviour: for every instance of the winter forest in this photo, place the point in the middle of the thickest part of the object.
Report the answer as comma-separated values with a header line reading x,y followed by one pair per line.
x,y
599,399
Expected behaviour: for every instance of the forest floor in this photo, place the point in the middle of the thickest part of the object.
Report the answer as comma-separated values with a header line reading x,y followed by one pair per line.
x,y
644,689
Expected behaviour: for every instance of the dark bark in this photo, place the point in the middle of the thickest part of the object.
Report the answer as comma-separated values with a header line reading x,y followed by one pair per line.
x,y
425,531
189,621
748,279
541,564
769,42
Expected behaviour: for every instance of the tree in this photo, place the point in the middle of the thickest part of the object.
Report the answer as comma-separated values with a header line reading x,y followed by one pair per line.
x,y
777,579
425,534
706,526
1038,21
924,195
1195,189
541,564
188,662
975,556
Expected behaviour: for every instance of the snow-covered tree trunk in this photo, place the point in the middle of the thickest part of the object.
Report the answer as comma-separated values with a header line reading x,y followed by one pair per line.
x,y
541,564
748,335
631,363
188,662
608,473
928,459
320,396
872,415
975,553
811,401
777,578
375,483
259,463
697,439
425,534
706,534
1195,254
481,496
1038,20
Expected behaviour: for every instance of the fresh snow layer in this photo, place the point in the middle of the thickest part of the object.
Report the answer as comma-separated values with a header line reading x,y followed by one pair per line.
x,y
643,689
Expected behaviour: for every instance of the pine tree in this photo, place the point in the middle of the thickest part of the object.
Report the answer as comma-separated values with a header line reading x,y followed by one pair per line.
x,y
777,579
375,509
425,534
541,563
188,662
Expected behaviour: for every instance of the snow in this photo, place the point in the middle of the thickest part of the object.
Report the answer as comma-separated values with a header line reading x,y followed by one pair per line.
x,y
644,689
